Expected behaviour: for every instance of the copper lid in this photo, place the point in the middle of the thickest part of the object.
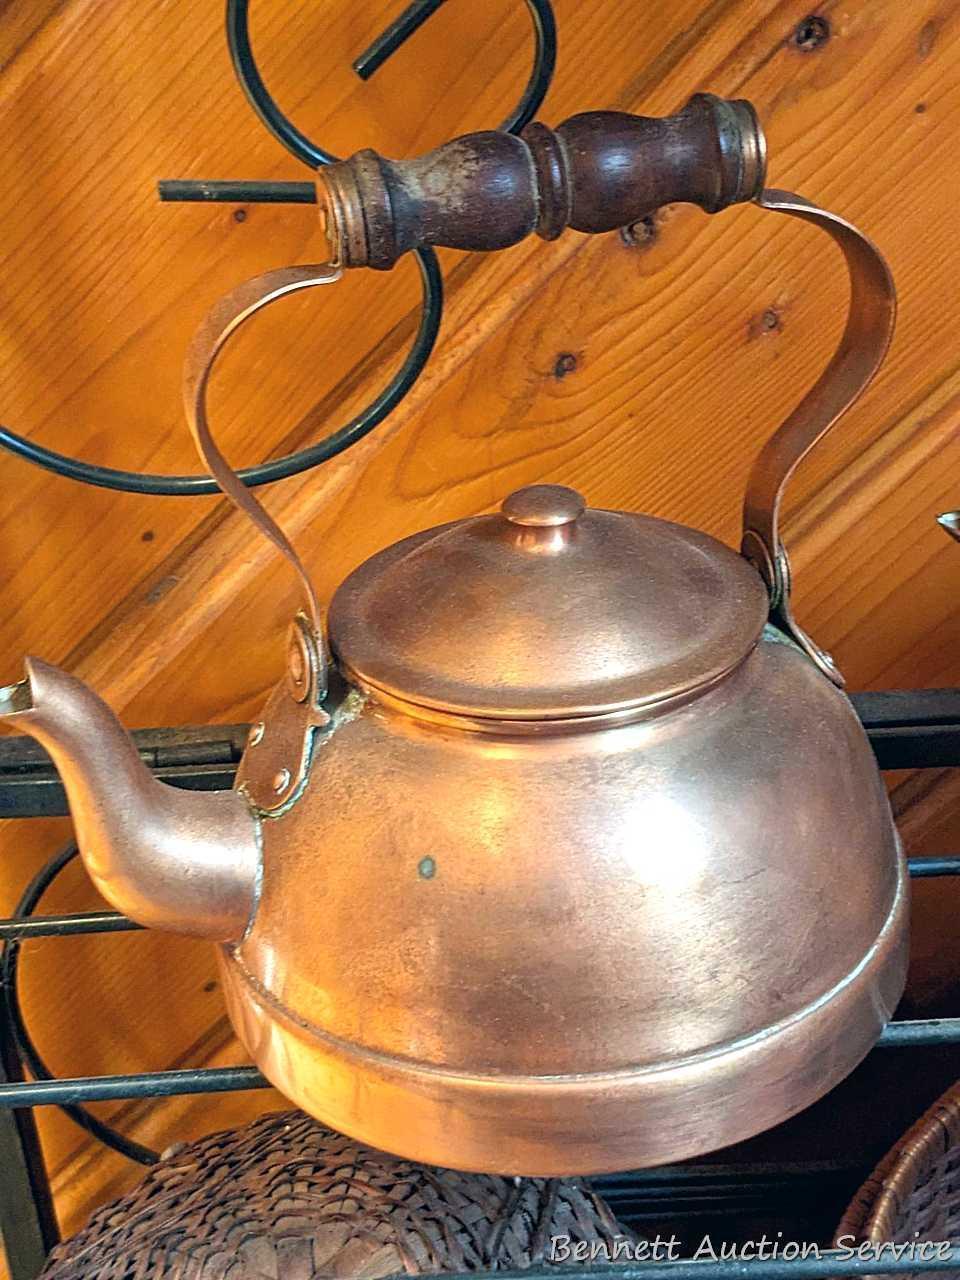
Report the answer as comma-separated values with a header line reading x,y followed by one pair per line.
x,y
547,609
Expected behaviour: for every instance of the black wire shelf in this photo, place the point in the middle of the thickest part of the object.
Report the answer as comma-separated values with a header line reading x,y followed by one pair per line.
x,y
908,729
166,1084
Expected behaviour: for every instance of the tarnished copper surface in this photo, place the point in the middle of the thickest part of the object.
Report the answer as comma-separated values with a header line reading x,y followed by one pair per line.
x,y
180,860
866,339
549,879
218,326
278,756
547,610
583,951
285,745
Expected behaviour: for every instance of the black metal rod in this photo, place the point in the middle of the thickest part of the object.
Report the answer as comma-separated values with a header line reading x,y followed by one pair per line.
x,y
912,728
22,1042
144,1084
369,62
28,1220
65,926
385,402
397,34
278,468
41,793
201,758
237,192
924,868
163,1084
922,1032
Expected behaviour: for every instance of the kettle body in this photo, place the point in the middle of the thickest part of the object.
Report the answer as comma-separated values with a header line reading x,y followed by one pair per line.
x,y
580,945
559,848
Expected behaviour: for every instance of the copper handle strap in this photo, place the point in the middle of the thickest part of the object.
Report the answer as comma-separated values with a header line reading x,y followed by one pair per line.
x,y
864,344
865,340
223,320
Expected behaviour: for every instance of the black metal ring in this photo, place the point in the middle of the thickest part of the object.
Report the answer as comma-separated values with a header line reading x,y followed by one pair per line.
x,y
292,464
280,468
29,1054
311,153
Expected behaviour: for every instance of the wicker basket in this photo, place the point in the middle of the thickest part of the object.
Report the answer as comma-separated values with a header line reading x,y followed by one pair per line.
x,y
285,1197
914,1192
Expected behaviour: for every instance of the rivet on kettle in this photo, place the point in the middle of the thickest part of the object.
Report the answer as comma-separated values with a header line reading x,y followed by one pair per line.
x,y
281,781
299,664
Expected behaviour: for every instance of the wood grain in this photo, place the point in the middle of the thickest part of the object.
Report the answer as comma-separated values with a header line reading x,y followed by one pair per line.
x,y
686,352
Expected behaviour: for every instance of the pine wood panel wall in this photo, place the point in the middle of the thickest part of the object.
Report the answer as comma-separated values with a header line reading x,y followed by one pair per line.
x,y
647,375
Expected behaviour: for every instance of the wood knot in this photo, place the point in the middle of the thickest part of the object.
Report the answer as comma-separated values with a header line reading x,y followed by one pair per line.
x,y
640,234
767,321
566,362
810,33
161,588
926,39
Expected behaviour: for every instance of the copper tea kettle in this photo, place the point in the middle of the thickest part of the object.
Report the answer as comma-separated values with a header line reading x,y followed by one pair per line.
x,y
531,864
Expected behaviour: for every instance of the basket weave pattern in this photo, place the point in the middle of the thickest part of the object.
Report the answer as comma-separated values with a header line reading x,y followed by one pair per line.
x,y
914,1192
285,1197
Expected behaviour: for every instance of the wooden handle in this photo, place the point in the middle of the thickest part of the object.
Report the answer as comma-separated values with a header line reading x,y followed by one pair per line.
x,y
595,172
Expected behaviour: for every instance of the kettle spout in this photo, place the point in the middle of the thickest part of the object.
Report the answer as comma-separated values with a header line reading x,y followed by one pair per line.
x,y
180,860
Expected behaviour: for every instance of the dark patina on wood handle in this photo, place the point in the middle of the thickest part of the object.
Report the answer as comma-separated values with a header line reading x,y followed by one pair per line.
x,y
595,172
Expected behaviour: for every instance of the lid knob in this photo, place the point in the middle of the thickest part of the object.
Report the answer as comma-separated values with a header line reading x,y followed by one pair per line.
x,y
543,506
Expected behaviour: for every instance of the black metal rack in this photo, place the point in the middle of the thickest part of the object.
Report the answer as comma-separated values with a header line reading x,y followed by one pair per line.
x,y
741,1191
915,729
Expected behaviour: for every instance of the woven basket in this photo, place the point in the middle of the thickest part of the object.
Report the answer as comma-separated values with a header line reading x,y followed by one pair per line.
x,y
914,1192
286,1198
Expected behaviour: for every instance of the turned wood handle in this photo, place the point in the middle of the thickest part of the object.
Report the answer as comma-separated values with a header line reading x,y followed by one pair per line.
x,y
595,172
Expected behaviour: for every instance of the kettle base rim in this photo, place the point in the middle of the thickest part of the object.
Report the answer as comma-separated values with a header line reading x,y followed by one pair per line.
x,y
577,1125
